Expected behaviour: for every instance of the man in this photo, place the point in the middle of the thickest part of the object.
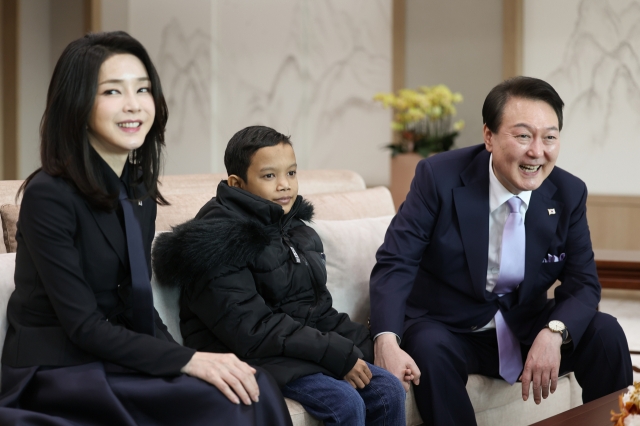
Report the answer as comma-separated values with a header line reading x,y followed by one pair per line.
x,y
460,285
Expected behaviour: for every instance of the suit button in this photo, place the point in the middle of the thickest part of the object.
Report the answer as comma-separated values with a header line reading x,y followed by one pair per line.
x,y
474,327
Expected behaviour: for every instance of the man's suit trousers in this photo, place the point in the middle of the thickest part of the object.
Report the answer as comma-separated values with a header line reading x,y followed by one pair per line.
x,y
601,364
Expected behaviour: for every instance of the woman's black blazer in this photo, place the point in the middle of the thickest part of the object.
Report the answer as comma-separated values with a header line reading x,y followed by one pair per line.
x,y
73,286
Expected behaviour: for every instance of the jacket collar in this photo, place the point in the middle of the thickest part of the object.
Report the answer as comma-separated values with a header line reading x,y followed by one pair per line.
x,y
257,208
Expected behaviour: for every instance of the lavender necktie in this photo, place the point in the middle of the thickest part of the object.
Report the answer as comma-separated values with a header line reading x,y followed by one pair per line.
x,y
511,275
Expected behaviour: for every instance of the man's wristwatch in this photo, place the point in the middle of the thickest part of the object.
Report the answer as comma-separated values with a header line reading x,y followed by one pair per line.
x,y
558,327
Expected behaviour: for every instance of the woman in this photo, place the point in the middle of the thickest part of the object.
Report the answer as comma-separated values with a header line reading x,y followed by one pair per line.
x,y
84,344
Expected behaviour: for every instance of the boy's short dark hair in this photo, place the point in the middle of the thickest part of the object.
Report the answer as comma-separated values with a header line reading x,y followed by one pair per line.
x,y
519,87
245,143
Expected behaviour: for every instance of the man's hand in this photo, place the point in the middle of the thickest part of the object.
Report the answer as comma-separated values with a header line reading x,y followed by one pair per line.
x,y
388,355
542,365
234,378
359,376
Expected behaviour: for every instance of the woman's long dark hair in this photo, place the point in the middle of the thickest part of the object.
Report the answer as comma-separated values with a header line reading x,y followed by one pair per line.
x,y
64,143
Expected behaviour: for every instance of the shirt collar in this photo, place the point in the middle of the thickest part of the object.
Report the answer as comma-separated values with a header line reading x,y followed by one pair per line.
x,y
498,194
110,178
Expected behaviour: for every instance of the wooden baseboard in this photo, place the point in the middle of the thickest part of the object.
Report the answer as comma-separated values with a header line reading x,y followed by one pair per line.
x,y
614,221
619,275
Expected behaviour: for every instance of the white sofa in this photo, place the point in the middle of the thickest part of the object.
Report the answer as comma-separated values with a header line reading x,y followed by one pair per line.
x,y
351,220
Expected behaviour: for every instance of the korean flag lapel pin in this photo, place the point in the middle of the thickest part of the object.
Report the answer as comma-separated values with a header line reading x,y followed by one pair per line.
x,y
551,211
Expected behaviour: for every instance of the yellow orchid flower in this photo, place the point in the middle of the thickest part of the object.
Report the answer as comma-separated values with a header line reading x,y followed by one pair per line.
x,y
423,118
397,126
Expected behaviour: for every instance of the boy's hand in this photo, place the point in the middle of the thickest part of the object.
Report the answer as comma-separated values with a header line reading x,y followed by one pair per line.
x,y
359,376
234,378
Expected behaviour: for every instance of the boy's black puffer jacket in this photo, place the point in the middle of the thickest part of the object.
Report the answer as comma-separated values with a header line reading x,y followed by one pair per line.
x,y
253,282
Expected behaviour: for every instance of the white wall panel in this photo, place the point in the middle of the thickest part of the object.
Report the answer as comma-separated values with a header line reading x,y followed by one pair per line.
x,y
177,35
306,68
589,50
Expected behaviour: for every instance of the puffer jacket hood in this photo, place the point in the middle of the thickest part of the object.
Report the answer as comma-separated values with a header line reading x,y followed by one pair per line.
x,y
253,282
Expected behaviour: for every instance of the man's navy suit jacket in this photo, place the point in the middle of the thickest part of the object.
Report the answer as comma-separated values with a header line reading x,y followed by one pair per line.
x,y
433,262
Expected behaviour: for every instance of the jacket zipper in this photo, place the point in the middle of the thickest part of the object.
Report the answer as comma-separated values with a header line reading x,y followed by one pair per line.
x,y
316,296
299,258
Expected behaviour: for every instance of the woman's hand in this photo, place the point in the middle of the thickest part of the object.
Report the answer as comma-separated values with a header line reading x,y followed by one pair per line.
x,y
359,376
234,378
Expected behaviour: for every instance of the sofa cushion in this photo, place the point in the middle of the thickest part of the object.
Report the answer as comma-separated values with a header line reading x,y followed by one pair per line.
x,y
495,402
7,269
165,300
350,247
299,416
9,214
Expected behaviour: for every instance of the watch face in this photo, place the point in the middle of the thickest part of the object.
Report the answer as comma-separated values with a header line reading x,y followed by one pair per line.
x,y
556,326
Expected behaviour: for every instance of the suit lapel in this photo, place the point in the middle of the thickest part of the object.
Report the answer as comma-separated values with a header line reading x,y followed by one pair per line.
x,y
112,231
472,209
540,227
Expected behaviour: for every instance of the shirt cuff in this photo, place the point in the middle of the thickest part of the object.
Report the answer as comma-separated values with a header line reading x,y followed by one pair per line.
x,y
387,332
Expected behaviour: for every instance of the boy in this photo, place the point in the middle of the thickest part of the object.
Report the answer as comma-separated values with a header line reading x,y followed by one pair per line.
x,y
253,282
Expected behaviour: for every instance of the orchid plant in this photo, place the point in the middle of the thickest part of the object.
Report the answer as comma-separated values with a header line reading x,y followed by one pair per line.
x,y
423,119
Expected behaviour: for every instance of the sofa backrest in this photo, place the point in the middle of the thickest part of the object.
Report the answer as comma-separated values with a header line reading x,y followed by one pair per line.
x,y
372,202
187,194
309,181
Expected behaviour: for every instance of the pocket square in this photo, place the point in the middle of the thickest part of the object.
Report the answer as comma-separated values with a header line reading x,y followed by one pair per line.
x,y
553,259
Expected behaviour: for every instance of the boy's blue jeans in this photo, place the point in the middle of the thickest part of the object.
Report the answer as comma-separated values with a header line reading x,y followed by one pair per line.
x,y
336,402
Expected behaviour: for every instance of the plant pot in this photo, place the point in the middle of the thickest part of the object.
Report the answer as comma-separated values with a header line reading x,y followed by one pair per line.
x,y
403,167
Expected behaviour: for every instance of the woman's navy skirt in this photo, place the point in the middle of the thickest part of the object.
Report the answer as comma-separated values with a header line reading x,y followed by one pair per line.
x,y
105,394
